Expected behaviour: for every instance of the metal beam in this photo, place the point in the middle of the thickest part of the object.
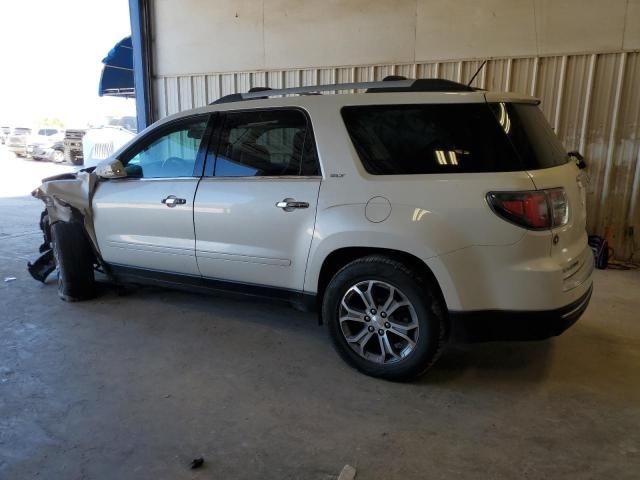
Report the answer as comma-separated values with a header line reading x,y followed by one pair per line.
x,y
139,12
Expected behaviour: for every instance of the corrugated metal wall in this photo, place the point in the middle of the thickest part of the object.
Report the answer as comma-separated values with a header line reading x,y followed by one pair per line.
x,y
592,101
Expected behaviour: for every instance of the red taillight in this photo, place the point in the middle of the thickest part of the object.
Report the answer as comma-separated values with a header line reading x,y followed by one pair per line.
x,y
536,210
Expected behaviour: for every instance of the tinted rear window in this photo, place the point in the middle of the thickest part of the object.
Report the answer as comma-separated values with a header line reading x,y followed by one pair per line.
x,y
531,135
450,138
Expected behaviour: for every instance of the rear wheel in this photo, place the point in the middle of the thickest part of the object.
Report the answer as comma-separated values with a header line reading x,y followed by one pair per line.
x,y
74,258
384,319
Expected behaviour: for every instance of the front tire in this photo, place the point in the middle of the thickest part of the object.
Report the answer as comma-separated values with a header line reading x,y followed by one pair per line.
x,y
384,319
74,258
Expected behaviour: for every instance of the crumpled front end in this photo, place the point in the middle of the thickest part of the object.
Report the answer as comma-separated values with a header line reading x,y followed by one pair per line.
x,y
68,199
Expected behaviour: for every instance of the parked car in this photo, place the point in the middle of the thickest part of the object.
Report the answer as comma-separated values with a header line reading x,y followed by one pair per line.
x,y
419,212
4,133
46,144
17,141
100,142
51,151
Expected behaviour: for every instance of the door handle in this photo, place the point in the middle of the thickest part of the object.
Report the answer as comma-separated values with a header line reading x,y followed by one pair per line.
x,y
289,205
171,201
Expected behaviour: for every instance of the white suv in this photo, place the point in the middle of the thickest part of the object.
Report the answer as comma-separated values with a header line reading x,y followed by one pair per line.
x,y
411,214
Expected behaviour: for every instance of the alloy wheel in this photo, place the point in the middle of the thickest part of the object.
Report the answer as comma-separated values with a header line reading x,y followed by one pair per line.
x,y
378,321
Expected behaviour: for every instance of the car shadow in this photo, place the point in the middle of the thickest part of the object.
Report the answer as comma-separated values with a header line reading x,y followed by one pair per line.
x,y
245,308
524,362
510,362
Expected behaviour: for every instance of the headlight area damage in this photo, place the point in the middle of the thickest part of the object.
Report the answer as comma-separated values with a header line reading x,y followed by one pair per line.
x,y
69,237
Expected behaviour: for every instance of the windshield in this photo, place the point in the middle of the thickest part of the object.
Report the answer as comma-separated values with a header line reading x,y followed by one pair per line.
x,y
125,122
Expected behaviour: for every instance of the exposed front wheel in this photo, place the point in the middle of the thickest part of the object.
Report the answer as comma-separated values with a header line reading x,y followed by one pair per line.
x,y
74,258
384,319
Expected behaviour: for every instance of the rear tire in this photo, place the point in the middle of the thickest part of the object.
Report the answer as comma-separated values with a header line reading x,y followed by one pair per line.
x,y
75,259
371,335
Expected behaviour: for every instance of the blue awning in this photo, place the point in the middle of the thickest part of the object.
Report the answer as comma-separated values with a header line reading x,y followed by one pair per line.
x,y
117,74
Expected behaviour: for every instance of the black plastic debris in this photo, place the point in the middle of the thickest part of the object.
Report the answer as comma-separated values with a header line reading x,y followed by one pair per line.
x,y
46,263
43,266
197,463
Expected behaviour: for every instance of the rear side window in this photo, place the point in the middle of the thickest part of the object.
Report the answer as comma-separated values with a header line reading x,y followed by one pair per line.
x,y
436,138
266,143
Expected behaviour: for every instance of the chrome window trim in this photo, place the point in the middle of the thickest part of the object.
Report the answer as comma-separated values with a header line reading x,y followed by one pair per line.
x,y
266,177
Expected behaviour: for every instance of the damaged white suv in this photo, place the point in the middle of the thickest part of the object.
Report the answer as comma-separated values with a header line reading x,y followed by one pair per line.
x,y
414,213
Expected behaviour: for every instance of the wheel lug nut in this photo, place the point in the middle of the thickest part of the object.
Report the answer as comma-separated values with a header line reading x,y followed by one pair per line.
x,y
387,325
371,329
367,318
373,311
383,315
381,332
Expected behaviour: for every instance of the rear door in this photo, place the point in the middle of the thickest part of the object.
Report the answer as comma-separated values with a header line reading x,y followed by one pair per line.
x,y
146,219
255,208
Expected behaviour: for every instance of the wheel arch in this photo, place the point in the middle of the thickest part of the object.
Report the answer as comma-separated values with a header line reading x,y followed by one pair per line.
x,y
340,257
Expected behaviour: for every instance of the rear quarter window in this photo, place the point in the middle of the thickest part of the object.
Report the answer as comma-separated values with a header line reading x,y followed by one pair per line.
x,y
451,138
530,134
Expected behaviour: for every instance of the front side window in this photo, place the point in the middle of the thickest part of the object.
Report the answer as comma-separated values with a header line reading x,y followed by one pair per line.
x,y
265,143
172,154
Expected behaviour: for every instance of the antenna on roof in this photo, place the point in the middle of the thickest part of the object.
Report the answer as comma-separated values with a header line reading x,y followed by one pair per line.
x,y
476,74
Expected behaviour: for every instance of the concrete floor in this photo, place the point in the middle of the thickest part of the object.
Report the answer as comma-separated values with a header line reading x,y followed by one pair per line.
x,y
137,386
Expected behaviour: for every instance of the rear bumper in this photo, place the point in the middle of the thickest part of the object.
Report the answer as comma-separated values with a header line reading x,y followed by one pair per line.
x,y
503,325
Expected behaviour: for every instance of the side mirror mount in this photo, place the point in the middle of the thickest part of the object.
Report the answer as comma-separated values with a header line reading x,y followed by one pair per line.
x,y
111,169
579,159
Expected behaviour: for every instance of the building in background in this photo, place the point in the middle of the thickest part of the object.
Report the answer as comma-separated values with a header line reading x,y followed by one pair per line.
x,y
579,57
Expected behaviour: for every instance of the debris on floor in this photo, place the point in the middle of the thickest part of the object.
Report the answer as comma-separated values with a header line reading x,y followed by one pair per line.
x,y
197,463
43,266
9,279
348,473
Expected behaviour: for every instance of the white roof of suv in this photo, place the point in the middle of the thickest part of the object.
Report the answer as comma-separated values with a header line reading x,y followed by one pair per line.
x,y
393,90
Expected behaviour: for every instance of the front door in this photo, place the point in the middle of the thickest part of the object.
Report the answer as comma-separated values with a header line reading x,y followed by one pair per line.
x,y
146,219
255,208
